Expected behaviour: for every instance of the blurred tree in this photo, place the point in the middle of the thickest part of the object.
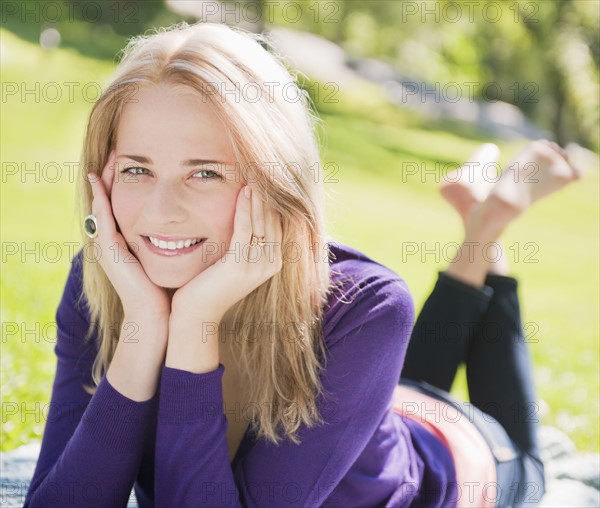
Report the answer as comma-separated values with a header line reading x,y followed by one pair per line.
x,y
95,28
127,17
542,56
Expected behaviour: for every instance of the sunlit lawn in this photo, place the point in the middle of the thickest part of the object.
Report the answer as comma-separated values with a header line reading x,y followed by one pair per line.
x,y
376,203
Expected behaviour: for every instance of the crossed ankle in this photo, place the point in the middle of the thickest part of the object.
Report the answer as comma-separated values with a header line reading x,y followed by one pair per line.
x,y
488,221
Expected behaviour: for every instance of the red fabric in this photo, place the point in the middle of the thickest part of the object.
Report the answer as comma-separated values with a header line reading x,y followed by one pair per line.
x,y
473,459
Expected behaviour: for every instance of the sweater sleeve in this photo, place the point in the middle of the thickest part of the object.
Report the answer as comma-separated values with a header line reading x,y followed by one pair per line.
x,y
92,445
366,341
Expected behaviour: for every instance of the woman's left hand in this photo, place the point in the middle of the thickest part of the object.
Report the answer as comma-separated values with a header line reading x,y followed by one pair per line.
x,y
198,307
242,268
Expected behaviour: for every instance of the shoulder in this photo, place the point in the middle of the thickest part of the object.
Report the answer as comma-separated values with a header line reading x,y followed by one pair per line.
x,y
73,299
354,275
364,290
73,315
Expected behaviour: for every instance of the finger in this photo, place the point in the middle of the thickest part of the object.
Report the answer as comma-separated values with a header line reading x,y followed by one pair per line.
x,y
258,215
274,232
108,173
269,223
101,205
242,222
113,249
98,194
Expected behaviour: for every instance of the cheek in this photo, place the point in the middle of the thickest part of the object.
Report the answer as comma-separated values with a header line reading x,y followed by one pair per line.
x,y
219,213
124,207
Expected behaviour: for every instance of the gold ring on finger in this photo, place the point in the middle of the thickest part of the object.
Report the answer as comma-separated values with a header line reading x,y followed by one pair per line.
x,y
257,240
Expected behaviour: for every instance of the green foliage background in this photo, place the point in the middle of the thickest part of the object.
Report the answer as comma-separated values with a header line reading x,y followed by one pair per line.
x,y
542,56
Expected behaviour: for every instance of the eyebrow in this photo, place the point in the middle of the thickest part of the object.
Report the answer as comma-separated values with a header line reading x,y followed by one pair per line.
x,y
190,162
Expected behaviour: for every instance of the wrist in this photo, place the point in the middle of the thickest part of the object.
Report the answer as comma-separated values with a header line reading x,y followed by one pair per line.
x,y
193,343
183,326
146,334
138,358
194,316
148,320
146,315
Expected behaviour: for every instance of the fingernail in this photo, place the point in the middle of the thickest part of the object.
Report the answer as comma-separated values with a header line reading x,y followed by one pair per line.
x,y
247,191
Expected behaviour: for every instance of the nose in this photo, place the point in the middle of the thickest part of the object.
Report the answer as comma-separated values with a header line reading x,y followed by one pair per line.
x,y
164,205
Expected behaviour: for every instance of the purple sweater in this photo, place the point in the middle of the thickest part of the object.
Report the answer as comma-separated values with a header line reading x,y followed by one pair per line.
x,y
174,452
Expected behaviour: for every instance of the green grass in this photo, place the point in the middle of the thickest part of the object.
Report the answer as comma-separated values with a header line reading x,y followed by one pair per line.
x,y
374,203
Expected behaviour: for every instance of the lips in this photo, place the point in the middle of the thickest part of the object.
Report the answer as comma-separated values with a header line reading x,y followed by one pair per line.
x,y
169,247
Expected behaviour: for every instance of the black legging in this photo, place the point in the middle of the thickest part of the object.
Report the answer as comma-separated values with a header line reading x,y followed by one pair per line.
x,y
481,328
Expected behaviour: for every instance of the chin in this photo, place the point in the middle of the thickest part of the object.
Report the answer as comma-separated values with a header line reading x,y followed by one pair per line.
x,y
171,280
173,272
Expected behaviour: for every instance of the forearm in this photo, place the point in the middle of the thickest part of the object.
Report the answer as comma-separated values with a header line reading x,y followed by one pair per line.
x,y
135,368
99,463
192,460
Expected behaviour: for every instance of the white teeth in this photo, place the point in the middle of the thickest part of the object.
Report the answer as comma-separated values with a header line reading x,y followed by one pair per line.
x,y
161,244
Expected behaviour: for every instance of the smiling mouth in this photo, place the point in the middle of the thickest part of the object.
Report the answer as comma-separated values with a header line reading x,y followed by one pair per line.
x,y
172,247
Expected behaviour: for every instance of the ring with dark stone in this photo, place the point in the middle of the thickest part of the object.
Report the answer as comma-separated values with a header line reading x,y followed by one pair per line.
x,y
90,225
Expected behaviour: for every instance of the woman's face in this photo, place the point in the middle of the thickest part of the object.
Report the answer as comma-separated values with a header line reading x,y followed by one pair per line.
x,y
176,183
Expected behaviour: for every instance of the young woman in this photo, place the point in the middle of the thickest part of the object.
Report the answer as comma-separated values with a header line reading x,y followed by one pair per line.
x,y
215,346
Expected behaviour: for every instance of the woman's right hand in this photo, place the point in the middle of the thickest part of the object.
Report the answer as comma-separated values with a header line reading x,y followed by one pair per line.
x,y
135,366
139,295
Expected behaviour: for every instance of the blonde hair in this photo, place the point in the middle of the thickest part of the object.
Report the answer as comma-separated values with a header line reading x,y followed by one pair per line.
x,y
274,137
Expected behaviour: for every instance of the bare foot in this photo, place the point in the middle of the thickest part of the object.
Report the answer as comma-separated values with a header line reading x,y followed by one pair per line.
x,y
540,169
471,183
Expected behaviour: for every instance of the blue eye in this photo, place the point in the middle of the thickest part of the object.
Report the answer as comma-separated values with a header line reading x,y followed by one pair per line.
x,y
207,174
135,170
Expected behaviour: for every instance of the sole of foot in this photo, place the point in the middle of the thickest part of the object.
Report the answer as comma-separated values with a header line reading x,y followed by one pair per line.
x,y
471,183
